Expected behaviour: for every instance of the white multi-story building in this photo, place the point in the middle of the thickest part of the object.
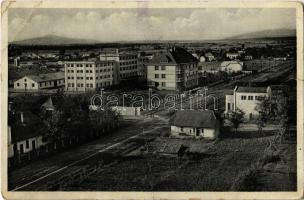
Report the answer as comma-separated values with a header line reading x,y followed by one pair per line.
x,y
90,75
127,63
245,99
175,69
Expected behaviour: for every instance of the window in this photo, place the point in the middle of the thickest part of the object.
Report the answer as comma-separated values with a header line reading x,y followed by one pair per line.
x,y
156,68
243,97
33,84
163,67
87,85
91,78
182,129
91,85
250,98
163,84
156,75
27,144
18,84
25,80
163,75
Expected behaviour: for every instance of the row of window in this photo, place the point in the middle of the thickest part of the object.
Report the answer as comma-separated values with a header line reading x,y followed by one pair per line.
x,y
128,68
250,98
105,76
79,65
159,67
27,146
90,85
162,75
156,84
128,63
125,75
128,57
105,70
47,83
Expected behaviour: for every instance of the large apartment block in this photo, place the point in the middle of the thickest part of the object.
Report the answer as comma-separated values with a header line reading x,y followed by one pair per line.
x,y
175,69
89,75
127,63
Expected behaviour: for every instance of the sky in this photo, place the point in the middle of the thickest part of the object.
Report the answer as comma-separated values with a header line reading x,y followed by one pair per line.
x,y
108,25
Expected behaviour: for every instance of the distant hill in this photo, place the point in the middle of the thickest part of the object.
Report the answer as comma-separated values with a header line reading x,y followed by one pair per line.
x,y
54,40
277,33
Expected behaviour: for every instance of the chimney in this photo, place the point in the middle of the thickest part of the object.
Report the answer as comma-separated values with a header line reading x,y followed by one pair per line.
x,y
21,117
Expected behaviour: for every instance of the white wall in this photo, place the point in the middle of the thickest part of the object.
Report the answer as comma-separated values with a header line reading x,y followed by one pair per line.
x,y
248,106
170,80
229,99
209,133
30,84
38,142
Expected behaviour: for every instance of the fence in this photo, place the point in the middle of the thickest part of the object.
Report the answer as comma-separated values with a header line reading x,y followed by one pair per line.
x,y
22,159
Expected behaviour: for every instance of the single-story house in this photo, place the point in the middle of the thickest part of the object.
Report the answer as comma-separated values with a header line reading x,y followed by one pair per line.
x,y
232,66
194,123
41,81
25,133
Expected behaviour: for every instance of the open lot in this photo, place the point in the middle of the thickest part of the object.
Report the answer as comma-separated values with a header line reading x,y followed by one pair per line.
x,y
219,171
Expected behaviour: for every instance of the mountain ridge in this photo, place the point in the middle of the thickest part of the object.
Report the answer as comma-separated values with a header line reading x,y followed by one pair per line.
x,y
59,40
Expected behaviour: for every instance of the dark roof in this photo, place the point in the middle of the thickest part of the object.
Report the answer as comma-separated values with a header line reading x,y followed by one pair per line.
x,y
47,77
229,92
48,105
175,55
252,89
279,87
194,118
33,126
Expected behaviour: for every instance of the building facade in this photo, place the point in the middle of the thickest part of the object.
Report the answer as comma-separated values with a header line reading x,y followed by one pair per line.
x,y
194,123
232,56
245,99
175,69
127,63
90,75
231,66
41,81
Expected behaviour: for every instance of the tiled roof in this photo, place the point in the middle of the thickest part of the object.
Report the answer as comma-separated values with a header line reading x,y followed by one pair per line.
x,y
226,63
175,55
48,105
194,118
252,89
47,77
32,127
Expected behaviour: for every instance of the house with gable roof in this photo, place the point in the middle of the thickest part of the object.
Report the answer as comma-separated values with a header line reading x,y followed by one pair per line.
x,y
195,124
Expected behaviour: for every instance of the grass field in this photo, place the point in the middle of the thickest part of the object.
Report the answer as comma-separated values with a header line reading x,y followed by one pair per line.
x,y
218,172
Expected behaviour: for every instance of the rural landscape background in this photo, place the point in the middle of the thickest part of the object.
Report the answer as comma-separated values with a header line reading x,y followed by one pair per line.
x,y
58,59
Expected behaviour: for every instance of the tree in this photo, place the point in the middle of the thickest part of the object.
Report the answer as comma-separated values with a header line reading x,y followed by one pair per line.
x,y
264,110
55,125
236,118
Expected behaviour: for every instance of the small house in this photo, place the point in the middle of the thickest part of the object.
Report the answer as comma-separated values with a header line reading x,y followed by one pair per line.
x,y
194,123
231,66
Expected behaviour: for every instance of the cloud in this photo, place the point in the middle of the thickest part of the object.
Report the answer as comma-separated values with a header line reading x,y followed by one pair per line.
x,y
147,24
